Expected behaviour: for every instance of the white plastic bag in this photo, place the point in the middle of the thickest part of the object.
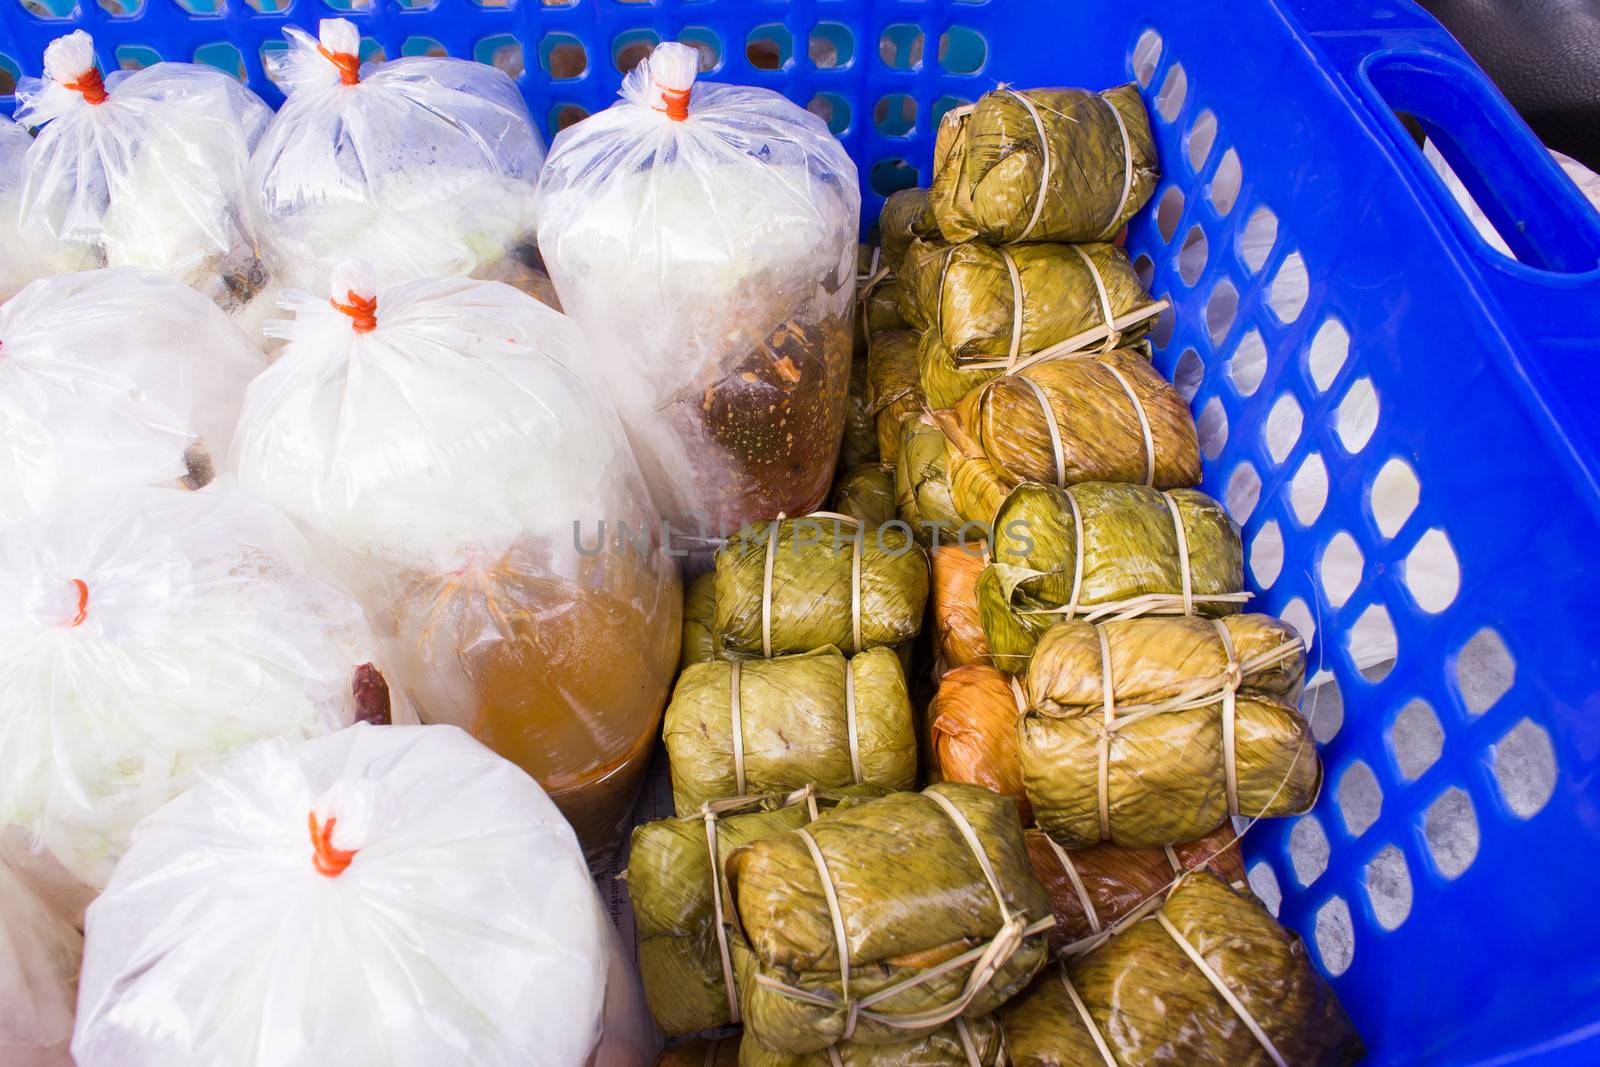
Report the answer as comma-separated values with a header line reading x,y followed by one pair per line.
x,y
382,897
146,169
111,379
20,260
40,950
704,236
441,440
142,636
425,167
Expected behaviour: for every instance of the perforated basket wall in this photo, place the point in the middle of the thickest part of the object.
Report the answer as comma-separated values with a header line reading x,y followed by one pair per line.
x,y
1400,418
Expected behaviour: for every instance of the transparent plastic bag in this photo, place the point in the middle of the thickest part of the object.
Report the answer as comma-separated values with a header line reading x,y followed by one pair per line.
x,y
474,485
145,168
426,167
143,636
704,236
381,897
40,950
112,379
20,260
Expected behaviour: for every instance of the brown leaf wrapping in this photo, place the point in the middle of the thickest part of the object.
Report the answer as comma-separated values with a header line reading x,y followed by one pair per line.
x,y
967,293
1152,1004
990,165
912,895
957,627
975,732
1117,880
1165,769
1098,424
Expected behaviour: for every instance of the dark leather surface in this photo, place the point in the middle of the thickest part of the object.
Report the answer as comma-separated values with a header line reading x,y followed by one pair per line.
x,y
1545,56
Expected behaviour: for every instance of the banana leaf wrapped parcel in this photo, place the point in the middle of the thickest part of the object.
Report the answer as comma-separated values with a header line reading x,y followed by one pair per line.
x,y
702,1052
860,442
1209,978
882,922
962,1043
1106,418
1155,731
975,731
1043,165
866,494
1100,550
1092,889
680,902
945,380
880,309
906,215
922,486
958,639
739,727
996,305
699,621
893,391
793,585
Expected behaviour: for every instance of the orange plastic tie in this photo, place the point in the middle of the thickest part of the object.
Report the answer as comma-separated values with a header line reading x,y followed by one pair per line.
x,y
91,85
83,602
363,311
349,65
328,860
677,101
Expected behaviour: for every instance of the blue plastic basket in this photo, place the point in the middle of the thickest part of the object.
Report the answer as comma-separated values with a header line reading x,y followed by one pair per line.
x,y
1443,880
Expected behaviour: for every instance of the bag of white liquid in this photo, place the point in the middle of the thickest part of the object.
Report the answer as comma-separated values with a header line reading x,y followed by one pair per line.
x,y
381,897
143,636
112,379
141,168
426,167
443,443
704,236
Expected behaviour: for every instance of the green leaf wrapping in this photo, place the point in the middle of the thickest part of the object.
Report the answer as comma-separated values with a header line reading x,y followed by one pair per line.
x,y
699,621
670,885
865,493
893,391
793,721
946,382
860,443
912,895
967,294
942,1048
1130,555
1102,432
906,215
1165,774
990,161
812,587
1151,1003
922,491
